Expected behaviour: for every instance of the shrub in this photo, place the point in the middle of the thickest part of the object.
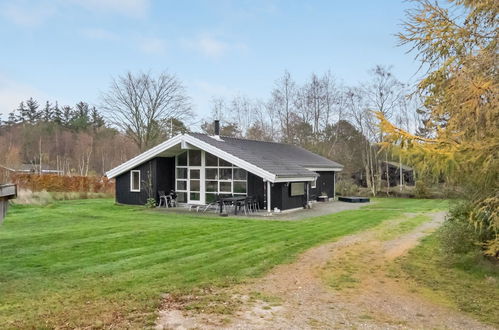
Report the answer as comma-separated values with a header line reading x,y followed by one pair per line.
x,y
346,187
61,183
422,190
457,236
150,203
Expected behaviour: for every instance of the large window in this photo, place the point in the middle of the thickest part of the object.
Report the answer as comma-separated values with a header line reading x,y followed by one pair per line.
x,y
200,177
135,181
223,178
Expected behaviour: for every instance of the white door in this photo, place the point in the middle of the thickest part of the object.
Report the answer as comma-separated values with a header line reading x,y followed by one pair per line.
x,y
196,186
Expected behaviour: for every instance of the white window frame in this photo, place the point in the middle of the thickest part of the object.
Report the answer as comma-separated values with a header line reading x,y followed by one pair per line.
x,y
313,185
131,181
203,169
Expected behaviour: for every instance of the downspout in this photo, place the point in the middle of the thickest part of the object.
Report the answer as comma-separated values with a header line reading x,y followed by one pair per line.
x,y
268,197
334,185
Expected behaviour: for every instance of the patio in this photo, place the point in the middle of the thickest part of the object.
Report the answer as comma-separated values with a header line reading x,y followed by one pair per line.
x,y
318,209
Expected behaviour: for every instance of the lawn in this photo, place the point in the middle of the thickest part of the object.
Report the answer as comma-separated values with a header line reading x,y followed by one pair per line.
x,y
90,263
469,283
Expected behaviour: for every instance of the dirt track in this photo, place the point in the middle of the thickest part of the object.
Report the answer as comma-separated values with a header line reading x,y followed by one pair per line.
x,y
344,284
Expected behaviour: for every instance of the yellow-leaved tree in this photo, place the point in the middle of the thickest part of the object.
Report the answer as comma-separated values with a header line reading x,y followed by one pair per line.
x,y
457,46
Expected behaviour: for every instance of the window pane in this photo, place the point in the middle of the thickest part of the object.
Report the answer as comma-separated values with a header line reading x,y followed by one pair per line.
x,y
182,159
181,185
181,197
181,173
212,186
239,174
212,173
211,198
297,188
225,186
194,157
195,174
225,174
240,187
195,196
224,163
195,185
135,180
211,160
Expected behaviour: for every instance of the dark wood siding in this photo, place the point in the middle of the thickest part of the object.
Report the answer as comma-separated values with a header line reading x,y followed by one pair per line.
x,y
256,188
282,199
161,173
325,183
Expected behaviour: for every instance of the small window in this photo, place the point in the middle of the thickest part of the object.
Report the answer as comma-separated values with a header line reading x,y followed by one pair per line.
x,y
224,163
313,185
239,174
240,187
211,160
225,174
135,181
194,157
212,173
182,159
297,188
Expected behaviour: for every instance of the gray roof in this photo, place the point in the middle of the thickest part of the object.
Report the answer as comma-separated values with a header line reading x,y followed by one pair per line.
x,y
283,160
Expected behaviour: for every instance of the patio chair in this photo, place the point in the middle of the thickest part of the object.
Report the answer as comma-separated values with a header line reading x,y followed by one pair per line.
x,y
172,198
213,205
255,205
163,198
244,204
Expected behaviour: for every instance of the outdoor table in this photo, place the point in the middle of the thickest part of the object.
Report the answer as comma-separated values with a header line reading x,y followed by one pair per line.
x,y
233,199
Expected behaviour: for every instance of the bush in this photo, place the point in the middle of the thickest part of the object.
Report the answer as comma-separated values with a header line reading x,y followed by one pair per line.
x,y
61,183
422,189
346,187
150,203
457,236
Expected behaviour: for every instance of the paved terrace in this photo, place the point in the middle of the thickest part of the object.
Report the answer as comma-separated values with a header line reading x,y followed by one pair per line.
x,y
318,209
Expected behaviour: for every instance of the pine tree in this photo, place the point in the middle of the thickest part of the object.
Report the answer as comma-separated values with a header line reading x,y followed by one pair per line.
x,y
48,113
32,113
22,113
57,114
97,120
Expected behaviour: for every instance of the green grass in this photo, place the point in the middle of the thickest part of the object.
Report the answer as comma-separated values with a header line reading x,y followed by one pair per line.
x,y
90,263
405,226
466,282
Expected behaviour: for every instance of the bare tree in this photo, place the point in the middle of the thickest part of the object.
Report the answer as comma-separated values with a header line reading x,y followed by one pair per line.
x,y
283,99
139,104
384,94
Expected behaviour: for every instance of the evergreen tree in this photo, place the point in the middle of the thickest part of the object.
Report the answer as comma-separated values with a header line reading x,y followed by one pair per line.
x,y
57,114
48,113
32,111
22,113
96,119
67,115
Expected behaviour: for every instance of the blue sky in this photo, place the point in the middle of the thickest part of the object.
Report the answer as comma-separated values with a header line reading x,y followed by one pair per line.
x,y
68,50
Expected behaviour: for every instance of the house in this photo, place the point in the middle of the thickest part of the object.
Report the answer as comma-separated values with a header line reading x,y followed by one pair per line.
x,y
199,167
399,174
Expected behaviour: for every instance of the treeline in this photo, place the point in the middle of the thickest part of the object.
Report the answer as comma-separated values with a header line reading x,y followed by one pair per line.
x,y
329,118
74,140
320,114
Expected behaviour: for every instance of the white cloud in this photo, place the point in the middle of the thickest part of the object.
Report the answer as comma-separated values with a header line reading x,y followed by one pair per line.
x,y
134,8
152,45
12,93
26,14
98,34
212,47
